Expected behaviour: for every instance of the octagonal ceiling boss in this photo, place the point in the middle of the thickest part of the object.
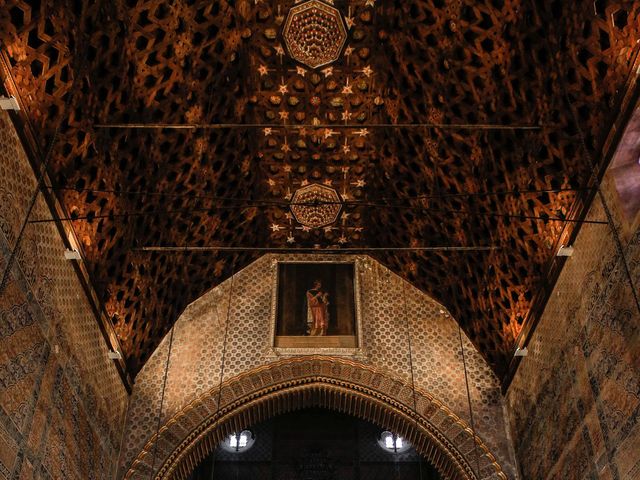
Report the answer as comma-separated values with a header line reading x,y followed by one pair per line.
x,y
314,33
316,205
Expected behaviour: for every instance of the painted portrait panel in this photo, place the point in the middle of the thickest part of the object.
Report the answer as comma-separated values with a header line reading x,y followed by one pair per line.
x,y
316,306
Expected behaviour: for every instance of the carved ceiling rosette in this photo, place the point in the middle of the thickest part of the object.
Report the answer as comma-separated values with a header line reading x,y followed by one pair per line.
x,y
314,33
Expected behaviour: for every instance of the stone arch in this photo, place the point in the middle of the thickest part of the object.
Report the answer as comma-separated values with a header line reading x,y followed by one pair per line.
x,y
339,384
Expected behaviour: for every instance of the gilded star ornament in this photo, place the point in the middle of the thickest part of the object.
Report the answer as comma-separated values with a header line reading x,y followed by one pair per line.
x,y
328,133
263,70
327,72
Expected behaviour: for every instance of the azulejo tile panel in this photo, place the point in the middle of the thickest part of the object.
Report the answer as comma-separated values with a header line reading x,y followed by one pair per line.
x,y
393,315
575,400
62,403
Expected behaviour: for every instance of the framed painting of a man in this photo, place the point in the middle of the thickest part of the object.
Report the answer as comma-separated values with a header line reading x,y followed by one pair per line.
x,y
316,305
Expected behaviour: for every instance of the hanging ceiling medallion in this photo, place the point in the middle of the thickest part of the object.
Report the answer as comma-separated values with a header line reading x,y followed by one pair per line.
x,y
314,33
316,205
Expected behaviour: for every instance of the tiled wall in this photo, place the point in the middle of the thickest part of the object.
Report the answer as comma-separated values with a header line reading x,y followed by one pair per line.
x,y
194,365
575,399
62,402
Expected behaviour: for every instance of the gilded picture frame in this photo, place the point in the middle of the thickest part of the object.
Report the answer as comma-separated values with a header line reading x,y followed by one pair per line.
x,y
297,327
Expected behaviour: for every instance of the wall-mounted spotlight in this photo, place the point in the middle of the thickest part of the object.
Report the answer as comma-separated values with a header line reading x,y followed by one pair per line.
x,y
114,355
565,251
72,255
521,352
9,103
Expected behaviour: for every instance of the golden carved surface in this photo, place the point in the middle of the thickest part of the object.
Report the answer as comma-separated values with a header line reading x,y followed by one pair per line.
x,y
316,381
391,310
316,205
561,65
314,33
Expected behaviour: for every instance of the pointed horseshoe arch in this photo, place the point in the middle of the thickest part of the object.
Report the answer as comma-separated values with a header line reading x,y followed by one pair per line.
x,y
193,433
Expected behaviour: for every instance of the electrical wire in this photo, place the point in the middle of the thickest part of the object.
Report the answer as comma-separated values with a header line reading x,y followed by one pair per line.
x,y
430,196
224,352
358,126
466,381
227,248
43,170
164,387
413,380
420,209
594,172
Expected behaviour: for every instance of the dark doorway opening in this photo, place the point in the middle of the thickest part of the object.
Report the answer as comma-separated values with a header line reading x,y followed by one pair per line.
x,y
315,444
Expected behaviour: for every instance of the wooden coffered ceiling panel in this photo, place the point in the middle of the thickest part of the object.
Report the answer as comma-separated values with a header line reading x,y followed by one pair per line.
x,y
560,65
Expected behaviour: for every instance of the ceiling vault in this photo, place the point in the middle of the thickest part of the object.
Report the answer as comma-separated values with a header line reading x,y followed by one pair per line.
x,y
445,138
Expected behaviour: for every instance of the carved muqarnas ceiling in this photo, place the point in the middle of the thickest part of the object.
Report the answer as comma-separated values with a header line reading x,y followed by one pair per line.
x,y
320,84
315,206
314,33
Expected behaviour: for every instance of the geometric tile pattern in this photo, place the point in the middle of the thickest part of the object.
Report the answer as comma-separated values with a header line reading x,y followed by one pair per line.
x,y
62,401
195,363
316,381
575,399
419,62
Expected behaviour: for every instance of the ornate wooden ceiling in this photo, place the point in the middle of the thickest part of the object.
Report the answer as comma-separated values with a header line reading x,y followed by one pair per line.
x,y
79,64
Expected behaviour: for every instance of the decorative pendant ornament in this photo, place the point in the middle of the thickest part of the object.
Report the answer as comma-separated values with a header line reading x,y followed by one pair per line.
x,y
314,33
316,205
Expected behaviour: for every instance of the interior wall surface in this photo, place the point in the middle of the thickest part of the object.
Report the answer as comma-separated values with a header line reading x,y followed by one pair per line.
x,y
62,401
396,319
575,399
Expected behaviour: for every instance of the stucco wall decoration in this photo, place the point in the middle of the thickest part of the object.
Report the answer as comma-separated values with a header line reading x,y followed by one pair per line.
x,y
62,401
575,399
391,310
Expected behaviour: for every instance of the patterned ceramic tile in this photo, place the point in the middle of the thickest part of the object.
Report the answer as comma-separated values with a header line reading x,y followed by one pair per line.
x,y
61,399
393,315
575,400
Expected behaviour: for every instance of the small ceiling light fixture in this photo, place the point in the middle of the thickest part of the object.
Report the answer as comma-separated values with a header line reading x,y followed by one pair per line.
x,y
9,103
521,352
393,443
238,442
114,355
72,255
565,251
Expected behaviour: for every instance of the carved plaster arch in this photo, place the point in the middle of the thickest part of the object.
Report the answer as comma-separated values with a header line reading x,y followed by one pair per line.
x,y
338,384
